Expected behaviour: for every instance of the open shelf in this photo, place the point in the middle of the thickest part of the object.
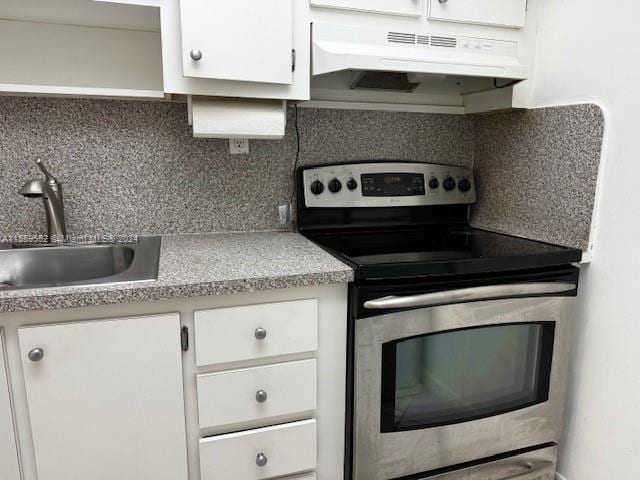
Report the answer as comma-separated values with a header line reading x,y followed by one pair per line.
x,y
80,48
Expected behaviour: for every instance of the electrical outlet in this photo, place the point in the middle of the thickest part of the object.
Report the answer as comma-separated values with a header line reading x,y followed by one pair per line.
x,y
284,214
239,145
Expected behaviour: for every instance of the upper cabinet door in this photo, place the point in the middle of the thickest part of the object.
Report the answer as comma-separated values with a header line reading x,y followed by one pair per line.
x,y
245,40
398,7
106,399
9,469
504,13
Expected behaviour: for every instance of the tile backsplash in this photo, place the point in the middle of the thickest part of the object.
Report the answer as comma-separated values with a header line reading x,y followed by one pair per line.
x,y
537,172
133,167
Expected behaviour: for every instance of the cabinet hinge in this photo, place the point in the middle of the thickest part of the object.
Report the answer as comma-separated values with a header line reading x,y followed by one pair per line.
x,y
293,59
184,338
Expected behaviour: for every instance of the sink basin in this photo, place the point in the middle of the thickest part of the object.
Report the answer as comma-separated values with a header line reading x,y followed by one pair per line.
x,y
79,264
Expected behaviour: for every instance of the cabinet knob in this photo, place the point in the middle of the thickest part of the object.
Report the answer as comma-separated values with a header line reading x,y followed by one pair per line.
x,y
261,396
260,333
261,460
443,1
196,54
36,354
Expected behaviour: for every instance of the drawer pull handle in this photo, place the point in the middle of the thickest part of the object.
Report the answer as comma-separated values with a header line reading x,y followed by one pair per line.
x,y
261,396
260,333
261,460
36,354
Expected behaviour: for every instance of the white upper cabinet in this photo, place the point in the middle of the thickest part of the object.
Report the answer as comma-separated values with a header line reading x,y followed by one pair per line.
x,y
397,7
9,469
105,399
504,13
243,40
246,48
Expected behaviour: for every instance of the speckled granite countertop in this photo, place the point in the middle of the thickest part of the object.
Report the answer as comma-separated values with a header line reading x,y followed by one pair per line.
x,y
202,264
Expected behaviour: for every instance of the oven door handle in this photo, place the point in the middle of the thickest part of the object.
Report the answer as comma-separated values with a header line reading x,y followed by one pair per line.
x,y
491,292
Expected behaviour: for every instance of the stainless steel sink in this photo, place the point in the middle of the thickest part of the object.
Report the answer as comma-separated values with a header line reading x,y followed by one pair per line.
x,y
57,266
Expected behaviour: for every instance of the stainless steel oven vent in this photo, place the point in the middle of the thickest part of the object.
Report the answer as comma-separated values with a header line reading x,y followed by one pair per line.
x,y
390,81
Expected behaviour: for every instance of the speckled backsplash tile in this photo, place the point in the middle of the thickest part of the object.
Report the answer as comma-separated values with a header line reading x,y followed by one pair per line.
x,y
133,167
536,172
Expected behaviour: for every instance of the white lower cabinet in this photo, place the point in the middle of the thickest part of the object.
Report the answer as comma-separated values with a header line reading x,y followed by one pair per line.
x,y
105,399
9,468
227,400
262,453
255,390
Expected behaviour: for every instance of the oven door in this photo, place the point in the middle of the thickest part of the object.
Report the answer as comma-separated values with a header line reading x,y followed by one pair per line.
x,y
460,381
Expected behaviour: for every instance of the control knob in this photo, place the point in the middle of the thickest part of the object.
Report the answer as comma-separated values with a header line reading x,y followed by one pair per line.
x,y
335,186
464,185
352,184
317,187
449,184
434,183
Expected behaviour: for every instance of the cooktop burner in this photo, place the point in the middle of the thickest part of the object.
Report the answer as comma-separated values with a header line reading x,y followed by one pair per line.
x,y
409,253
398,220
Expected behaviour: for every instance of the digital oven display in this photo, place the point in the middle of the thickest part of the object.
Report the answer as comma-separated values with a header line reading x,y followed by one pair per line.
x,y
392,184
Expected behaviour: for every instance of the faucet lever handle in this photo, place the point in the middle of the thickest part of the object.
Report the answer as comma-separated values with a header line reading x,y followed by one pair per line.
x,y
50,178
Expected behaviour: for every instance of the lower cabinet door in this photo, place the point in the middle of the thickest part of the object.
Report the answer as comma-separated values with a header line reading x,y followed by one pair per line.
x,y
106,399
9,469
261,453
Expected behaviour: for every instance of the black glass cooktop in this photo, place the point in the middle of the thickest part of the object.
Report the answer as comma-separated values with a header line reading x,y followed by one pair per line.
x,y
429,251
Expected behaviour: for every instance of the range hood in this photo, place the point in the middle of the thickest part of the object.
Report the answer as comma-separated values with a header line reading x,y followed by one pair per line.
x,y
406,55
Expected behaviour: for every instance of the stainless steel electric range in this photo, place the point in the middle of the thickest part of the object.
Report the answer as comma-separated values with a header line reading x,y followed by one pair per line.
x,y
458,337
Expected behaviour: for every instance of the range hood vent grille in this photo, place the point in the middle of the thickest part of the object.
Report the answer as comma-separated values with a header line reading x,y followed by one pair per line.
x,y
412,39
450,42
396,37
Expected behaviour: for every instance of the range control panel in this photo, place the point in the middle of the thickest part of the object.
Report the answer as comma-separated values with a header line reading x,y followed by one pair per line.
x,y
387,184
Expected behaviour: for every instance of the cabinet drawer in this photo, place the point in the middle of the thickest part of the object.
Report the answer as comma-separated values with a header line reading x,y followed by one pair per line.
x,y
281,450
233,334
227,399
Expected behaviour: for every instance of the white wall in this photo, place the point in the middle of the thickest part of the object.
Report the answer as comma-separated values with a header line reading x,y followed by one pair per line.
x,y
589,50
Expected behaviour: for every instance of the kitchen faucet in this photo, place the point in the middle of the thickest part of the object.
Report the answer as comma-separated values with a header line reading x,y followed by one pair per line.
x,y
50,190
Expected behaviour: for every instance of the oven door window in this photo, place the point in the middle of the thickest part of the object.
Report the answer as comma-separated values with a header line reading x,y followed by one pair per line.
x,y
460,375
